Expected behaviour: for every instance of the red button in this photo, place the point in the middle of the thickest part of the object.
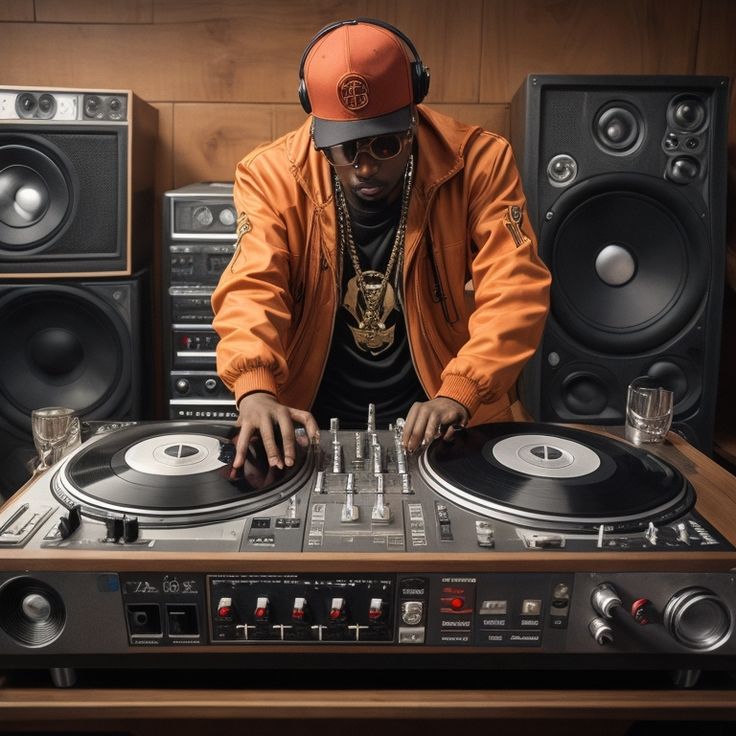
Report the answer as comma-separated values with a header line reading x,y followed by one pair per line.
x,y
457,603
224,612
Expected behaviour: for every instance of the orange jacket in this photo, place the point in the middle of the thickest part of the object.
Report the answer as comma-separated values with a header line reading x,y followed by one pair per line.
x,y
275,303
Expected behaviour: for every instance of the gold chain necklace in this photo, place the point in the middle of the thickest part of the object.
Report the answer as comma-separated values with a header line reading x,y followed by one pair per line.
x,y
371,334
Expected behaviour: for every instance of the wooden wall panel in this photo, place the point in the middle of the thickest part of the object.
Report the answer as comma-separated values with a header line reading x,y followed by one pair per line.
x,y
94,11
202,62
211,139
523,37
16,10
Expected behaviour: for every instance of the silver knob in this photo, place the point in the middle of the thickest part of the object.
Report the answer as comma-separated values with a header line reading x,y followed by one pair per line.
x,y
604,599
601,631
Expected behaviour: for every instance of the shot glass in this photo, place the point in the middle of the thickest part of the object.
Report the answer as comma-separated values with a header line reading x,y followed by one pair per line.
x,y
648,411
56,431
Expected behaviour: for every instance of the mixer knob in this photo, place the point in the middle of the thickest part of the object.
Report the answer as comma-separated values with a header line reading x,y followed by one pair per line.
x,y
698,619
412,612
337,612
605,599
182,386
225,607
601,631
262,609
210,384
376,609
299,610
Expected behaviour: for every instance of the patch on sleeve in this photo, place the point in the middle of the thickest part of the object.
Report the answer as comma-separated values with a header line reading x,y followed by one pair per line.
x,y
244,225
513,224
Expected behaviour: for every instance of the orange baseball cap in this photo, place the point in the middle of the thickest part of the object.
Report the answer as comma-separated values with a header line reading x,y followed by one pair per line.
x,y
359,84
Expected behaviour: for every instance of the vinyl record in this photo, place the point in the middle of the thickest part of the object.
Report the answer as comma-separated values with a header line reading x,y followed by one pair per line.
x,y
174,473
548,476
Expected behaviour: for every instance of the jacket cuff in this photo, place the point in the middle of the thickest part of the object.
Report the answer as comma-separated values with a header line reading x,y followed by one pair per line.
x,y
462,390
258,379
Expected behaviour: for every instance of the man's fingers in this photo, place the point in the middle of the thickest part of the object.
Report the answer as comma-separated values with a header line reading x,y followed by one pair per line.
x,y
241,447
288,438
307,421
269,445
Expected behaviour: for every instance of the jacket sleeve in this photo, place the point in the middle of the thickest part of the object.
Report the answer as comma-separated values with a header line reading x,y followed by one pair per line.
x,y
511,282
252,302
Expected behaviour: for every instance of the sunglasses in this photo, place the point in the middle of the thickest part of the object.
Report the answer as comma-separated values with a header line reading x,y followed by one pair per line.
x,y
380,147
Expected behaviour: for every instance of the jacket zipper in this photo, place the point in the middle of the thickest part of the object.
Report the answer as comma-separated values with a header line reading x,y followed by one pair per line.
x,y
324,265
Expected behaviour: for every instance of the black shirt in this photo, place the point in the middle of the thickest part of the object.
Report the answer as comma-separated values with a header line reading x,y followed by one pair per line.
x,y
362,370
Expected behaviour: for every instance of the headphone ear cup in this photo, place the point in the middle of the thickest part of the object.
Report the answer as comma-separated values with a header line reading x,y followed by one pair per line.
x,y
420,81
304,96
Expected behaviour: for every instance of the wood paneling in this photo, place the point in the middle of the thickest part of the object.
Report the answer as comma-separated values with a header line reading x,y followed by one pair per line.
x,y
94,11
523,37
211,139
14,10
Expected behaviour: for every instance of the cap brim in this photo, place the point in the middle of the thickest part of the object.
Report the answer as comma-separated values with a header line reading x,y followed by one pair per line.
x,y
332,132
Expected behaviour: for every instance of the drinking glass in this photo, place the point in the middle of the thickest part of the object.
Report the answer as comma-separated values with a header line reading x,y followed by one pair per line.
x,y
648,411
56,430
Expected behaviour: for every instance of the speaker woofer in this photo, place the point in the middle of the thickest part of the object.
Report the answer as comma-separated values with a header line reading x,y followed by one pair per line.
x,y
37,184
66,346
627,257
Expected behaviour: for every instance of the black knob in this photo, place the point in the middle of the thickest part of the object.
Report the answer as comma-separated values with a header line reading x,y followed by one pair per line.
x,y
70,523
130,529
182,386
114,526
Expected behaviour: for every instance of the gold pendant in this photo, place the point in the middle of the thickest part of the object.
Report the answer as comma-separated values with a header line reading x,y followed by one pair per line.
x,y
371,334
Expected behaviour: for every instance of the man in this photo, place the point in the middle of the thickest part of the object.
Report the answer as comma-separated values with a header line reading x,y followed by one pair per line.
x,y
357,234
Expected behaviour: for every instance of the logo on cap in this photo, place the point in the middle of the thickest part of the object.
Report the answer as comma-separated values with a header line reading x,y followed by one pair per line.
x,y
353,91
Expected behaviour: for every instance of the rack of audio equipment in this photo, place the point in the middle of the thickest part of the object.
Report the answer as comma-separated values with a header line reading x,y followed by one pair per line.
x,y
198,242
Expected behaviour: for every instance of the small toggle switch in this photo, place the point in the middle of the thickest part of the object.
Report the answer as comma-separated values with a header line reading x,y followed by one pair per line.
x,y
337,611
262,609
225,607
376,610
299,610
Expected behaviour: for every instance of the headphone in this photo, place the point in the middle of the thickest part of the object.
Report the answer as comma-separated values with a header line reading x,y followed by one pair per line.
x,y
419,72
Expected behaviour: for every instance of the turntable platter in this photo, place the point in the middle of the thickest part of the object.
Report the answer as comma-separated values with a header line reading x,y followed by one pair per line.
x,y
174,472
548,476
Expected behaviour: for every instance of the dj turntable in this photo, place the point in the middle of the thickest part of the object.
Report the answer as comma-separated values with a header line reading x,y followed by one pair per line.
x,y
513,545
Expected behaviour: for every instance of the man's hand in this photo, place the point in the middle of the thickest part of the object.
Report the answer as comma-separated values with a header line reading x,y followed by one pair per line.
x,y
440,417
260,413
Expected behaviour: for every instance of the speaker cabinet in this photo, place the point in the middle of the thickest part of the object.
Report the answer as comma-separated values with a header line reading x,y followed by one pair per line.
x,y
76,183
626,180
73,344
